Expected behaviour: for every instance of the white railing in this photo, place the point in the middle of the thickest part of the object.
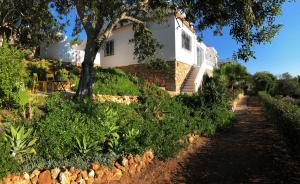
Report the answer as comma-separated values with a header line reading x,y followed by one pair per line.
x,y
199,77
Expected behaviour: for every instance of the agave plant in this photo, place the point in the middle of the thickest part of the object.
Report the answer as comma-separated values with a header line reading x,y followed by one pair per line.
x,y
85,145
21,141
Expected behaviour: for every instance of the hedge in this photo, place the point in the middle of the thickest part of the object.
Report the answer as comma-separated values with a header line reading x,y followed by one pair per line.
x,y
285,115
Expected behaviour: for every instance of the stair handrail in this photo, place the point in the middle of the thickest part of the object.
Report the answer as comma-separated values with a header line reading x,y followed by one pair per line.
x,y
199,77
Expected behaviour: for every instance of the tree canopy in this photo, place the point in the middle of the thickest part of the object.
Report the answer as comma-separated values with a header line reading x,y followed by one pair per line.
x,y
99,18
27,22
30,21
249,22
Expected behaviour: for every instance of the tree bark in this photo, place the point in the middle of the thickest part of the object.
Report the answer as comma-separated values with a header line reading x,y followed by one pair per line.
x,y
87,73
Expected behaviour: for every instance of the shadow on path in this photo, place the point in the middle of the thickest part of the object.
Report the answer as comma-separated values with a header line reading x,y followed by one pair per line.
x,y
251,152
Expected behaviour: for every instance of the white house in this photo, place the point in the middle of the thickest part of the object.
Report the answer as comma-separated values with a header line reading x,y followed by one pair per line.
x,y
188,59
64,51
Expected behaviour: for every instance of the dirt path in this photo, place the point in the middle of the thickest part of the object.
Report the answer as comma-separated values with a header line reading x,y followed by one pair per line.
x,y
251,152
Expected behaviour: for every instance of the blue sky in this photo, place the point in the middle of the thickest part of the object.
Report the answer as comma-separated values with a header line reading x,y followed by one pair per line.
x,y
282,55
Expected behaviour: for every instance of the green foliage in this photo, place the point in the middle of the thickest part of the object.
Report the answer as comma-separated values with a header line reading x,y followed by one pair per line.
x,y
233,76
7,162
114,82
12,75
145,45
63,74
264,81
285,115
20,140
85,146
166,122
287,86
104,126
65,122
40,68
30,22
249,22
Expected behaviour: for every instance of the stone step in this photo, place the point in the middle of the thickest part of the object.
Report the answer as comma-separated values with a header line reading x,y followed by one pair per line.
x,y
188,86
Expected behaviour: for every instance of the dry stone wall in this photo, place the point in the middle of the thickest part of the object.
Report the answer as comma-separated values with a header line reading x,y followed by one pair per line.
x,y
171,80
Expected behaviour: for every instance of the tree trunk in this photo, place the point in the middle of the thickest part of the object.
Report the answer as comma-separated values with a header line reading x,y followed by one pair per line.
x,y
87,75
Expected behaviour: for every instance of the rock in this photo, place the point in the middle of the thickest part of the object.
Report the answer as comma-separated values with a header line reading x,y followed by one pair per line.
x,y
106,177
119,166
95,166
132,169
45,177
79,179
149,155
91,173
142,164
84,174
34,179
35,173
72,170
130,160
55,172
116,174
124,162
64,177
191,139
26,176
90,181
101,171
137,158
74,173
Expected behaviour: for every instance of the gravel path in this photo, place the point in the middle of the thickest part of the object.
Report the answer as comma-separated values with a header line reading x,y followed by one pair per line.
x,y
251,152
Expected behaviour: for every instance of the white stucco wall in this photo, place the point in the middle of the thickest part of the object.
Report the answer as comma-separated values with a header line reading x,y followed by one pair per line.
x,y
182,54
123,50
65,52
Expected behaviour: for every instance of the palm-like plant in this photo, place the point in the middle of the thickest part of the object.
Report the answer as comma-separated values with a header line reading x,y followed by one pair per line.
x,y
21,141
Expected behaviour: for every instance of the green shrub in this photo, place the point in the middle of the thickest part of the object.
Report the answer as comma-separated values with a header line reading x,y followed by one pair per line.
x,y
166,122
288,87
12,75
63,74
263,81
285,115
7,163
113,126
114,82
39,69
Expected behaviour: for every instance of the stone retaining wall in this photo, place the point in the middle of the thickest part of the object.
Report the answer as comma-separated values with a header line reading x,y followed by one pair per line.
x,y
118,99
171,80
97,173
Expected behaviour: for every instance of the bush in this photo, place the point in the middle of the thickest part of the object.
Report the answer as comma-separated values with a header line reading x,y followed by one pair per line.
x,y
111,126
12,75
63,74
114,82
166,122
288,87
233,76
285,115
7,162
264,81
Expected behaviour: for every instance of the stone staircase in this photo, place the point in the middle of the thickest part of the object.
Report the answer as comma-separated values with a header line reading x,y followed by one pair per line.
x,y
189,83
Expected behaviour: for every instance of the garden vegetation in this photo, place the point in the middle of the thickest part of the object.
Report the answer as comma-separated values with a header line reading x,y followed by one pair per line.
x,y
286,116
71,133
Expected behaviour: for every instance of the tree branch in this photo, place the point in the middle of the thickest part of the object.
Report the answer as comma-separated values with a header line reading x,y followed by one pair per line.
x,y
135,20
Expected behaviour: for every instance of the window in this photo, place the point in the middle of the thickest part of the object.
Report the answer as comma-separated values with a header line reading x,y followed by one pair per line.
x,y
199,56
186,41
109,48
